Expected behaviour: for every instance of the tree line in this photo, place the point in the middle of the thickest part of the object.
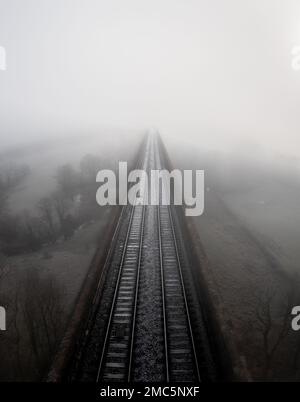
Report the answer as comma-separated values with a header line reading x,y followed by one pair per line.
x,y
57,215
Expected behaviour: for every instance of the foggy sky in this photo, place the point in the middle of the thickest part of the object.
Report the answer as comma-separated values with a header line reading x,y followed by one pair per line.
x,y
217,72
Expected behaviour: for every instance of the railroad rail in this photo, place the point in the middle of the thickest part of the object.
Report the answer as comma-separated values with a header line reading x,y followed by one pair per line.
x,y
140,327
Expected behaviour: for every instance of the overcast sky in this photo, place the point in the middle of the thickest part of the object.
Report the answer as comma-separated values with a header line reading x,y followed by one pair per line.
x,y
215,71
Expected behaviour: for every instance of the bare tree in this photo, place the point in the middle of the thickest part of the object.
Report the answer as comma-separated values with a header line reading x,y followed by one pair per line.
x,y
10,177
43,317
4,301
15,339
274,322
32,235
60,205
45,207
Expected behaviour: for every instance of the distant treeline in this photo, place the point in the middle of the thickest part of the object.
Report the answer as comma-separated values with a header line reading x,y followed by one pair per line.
x,y
57,215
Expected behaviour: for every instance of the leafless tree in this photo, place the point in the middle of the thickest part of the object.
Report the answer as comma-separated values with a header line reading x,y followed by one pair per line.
x,y
31,232
43,317
60,205
45,207
274,322
15,336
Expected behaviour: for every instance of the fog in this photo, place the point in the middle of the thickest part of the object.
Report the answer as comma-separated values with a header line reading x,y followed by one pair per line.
x,y
216,73
84,81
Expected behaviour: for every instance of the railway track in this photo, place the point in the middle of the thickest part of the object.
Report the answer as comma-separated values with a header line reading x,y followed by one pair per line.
x,y
181,356
141,329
